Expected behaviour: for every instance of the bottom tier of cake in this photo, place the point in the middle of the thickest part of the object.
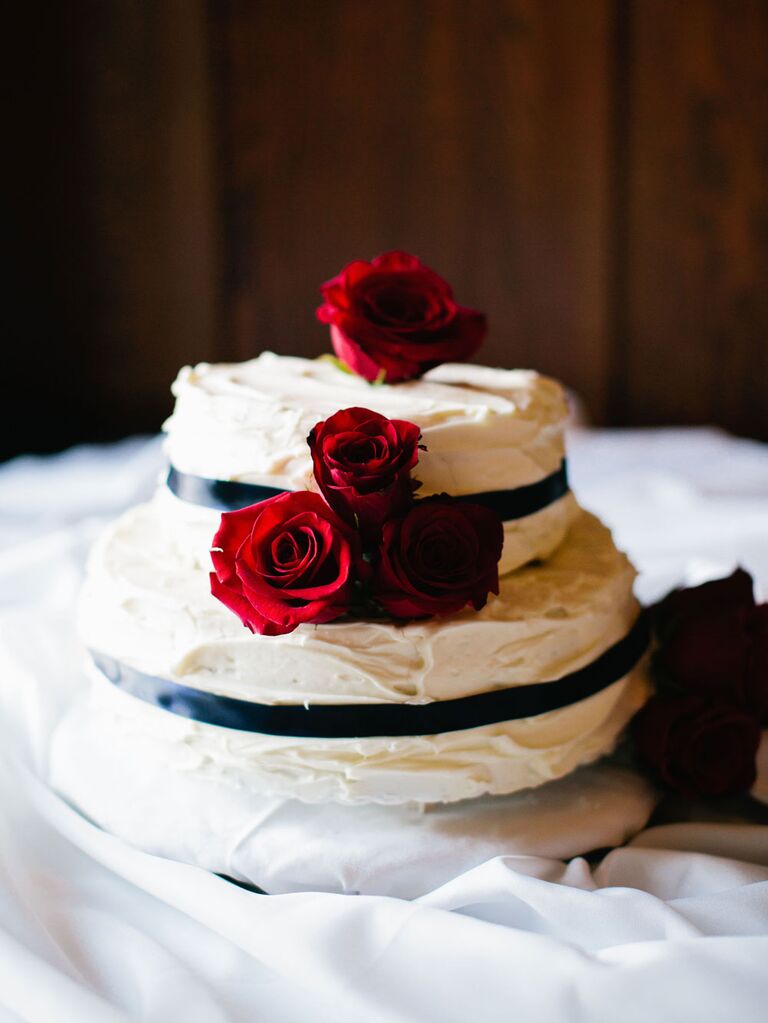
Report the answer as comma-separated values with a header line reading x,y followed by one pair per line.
x,y
148,609
495,759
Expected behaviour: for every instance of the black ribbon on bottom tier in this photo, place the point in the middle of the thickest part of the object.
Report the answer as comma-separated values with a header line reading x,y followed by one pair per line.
x,y
230,495
370,720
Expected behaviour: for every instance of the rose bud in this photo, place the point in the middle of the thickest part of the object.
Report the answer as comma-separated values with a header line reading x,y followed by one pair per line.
x,y
393,319
284,561
696,747
362,463
440,556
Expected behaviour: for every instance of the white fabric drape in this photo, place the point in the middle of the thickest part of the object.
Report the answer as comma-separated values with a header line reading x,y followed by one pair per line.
x,y
673,925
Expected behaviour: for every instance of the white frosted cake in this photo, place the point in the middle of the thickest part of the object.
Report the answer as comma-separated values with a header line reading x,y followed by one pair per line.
x,y
565,597
364,579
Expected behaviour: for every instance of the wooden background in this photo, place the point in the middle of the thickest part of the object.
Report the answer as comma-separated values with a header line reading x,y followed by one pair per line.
x,y
593,175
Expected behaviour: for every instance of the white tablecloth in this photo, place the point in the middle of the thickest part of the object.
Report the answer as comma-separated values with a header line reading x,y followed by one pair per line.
x,y
672,926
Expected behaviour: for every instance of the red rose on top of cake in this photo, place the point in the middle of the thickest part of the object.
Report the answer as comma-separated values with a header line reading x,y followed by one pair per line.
x,y
285,561
393,319
442,555
362,463
362,547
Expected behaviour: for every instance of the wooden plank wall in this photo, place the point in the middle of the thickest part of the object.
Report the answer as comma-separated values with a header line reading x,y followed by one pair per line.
x,y
474,134
695,347
594,175
114,218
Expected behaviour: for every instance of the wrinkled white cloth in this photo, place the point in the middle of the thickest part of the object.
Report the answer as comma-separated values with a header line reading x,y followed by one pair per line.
x,y
673,925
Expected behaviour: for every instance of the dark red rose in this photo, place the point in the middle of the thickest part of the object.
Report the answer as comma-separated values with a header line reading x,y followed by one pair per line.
x,y
697,747
362,463
711,597
439,557
285,561
393,319
756,676
715,643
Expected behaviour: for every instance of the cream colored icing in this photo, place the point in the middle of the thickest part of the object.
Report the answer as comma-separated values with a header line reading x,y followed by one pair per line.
x,y
147,603
495,759
484,428
534,536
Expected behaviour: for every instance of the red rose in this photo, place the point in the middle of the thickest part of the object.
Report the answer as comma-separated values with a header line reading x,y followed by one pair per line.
x,y
711,597
697,747
362,463
715,643
439,557
756,675
282,562
394,318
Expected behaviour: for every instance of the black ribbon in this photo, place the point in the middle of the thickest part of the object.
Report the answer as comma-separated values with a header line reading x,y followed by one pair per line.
x,y
223,495
229,495
357,721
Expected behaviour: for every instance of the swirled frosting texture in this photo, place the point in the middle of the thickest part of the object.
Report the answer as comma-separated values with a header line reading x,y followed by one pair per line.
x,y
146,602
484,429
495,759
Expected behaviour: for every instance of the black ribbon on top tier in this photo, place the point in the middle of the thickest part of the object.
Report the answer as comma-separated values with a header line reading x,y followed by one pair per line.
x,y
229,495
369,720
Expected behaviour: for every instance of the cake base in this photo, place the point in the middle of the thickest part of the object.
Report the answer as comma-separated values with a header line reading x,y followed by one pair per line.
x,y
283,845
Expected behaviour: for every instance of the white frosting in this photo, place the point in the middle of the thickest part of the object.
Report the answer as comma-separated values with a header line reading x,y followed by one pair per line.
x,y
494,759
484,429
119,778
147,599
535,536
147,603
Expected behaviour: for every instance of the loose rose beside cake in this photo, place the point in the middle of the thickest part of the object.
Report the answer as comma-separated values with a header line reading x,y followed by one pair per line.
x,y
700,732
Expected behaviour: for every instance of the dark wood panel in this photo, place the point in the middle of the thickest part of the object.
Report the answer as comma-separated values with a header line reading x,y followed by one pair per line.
x,y
592,175
697,271
153,197
474,134
114,203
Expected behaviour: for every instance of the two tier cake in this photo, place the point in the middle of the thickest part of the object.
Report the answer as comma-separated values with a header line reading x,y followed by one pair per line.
x,y
389,687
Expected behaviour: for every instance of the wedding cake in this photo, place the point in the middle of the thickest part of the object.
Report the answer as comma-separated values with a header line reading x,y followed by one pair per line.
x,y
364,578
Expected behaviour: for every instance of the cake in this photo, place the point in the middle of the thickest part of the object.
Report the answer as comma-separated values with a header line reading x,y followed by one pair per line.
x,y
171,664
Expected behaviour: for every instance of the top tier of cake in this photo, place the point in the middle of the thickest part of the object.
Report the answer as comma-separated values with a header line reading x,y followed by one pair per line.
x,y
484,429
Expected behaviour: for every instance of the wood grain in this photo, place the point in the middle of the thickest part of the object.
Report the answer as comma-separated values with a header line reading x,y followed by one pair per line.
x,y
697,257
116,208
593,175
474,134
